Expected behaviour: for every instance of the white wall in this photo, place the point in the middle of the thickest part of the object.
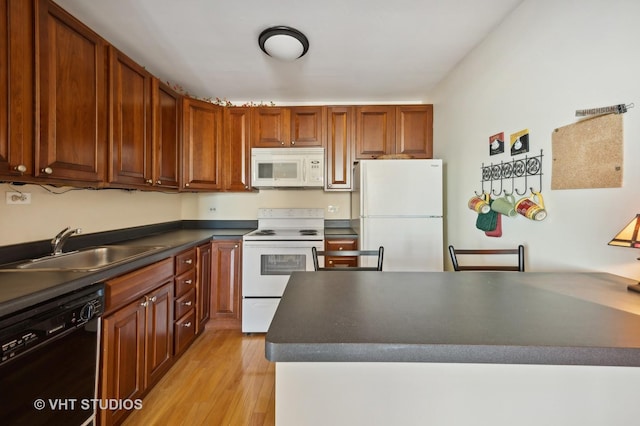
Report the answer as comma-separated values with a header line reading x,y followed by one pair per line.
x,y
91,210
546,60
241,206
103,210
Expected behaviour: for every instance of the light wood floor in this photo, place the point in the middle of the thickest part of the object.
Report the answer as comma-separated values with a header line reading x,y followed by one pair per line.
x,y
222,379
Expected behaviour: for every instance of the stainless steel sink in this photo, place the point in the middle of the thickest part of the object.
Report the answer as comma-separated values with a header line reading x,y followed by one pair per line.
x,y
90,259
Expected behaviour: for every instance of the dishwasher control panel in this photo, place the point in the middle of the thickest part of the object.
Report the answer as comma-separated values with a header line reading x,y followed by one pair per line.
x,y
48,321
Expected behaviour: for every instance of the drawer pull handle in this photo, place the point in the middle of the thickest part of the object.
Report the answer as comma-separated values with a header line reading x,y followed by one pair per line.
x,y
186,303
188,281
188,261
187,324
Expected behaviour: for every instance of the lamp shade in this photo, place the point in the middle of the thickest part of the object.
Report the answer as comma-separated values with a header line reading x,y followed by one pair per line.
x,y
628,237
285,43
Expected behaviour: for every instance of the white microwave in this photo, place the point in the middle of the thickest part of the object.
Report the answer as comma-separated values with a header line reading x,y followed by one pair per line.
x,y
287,167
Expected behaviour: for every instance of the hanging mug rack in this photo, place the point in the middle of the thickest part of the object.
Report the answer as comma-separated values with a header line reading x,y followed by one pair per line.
x,y
518,173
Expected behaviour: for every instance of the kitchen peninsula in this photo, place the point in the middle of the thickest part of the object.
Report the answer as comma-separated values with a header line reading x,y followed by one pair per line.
x,y
456,349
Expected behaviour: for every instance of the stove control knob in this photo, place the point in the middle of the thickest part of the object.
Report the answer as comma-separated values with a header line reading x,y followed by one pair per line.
x,y
87,312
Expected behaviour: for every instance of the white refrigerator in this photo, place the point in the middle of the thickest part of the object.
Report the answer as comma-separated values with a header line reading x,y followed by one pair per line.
x,y
398,204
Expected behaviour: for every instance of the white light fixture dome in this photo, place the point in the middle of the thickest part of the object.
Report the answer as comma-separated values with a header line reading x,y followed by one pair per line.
x,y
285,43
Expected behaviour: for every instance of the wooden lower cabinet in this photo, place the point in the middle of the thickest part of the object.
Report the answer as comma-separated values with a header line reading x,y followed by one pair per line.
x,y
185,300
226,298
137,348
337,244
203,288
152,315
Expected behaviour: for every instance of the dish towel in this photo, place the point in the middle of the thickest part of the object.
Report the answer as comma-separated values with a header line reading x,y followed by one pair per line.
x,y
487,221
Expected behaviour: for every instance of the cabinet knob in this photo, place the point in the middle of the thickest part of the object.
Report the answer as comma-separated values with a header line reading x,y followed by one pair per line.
x,y
144,304
187,324
47,170
149,181
153,299
158,182
186,303
281,142
188,281
235,246
293,142
20,168
188,261
339,248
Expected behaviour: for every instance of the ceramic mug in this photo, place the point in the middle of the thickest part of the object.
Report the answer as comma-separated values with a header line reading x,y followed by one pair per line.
x,y
480,203
532,207
505,205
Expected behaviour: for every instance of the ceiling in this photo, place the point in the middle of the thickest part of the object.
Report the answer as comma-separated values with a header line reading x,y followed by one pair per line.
x,y
361,51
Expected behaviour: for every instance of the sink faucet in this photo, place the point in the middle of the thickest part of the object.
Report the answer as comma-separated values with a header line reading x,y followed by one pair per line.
x,y
58,241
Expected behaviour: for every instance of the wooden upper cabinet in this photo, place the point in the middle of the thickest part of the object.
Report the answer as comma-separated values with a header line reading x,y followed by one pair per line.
x,y
276,127
17,47
202,156
340,123
167,136
375,131
237,149
71,63
307,126
414,131
385,129
130,144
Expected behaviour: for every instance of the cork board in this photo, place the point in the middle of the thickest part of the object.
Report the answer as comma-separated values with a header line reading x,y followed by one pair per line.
x,y
588,154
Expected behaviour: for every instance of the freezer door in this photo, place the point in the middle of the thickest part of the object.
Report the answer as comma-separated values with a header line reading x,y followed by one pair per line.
x,y
401,188
410,244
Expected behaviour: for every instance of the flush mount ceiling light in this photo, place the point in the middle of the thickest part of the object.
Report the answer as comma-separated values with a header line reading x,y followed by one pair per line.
x,y
284,43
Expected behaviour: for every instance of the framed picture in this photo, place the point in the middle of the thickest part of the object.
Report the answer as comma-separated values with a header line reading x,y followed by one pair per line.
x,y
520,142
496,144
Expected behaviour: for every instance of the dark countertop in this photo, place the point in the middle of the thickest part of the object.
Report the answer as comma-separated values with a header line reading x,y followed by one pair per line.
x,y
461,317
22,289
340,233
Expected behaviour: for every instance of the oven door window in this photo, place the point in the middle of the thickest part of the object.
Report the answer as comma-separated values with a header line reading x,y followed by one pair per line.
x,y
282,264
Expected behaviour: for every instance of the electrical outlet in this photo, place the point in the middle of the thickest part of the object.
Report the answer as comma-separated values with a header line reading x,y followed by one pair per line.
x,y
14,197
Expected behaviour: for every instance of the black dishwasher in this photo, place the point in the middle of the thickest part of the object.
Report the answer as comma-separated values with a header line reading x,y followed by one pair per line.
x,y
49,358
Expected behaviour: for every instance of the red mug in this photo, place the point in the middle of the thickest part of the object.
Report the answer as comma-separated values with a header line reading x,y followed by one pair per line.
x,y
529,208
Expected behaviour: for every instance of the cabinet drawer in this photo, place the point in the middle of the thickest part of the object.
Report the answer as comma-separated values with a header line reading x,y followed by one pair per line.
x,y
185,261
185,331
129,287
337,262
340,244
185,282
184,303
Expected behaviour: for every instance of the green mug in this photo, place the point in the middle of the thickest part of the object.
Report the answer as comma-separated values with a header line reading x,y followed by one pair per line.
x,y
505,205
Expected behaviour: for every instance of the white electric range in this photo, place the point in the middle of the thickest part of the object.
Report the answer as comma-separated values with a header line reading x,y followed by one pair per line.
x,y
281,245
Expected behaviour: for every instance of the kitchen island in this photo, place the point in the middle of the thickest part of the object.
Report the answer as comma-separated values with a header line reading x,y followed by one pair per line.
x,y
456,349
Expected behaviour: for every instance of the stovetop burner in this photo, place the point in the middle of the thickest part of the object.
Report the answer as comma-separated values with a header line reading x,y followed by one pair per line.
x,y
265,232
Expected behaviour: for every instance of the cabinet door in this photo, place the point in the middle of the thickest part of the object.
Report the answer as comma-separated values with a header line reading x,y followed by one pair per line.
x,y
167,135
203,289
237,149
339,148
159,335
307,126
201,146
225,287
71,68
130,148
16,89
123,359
414,131
270,127
374,131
